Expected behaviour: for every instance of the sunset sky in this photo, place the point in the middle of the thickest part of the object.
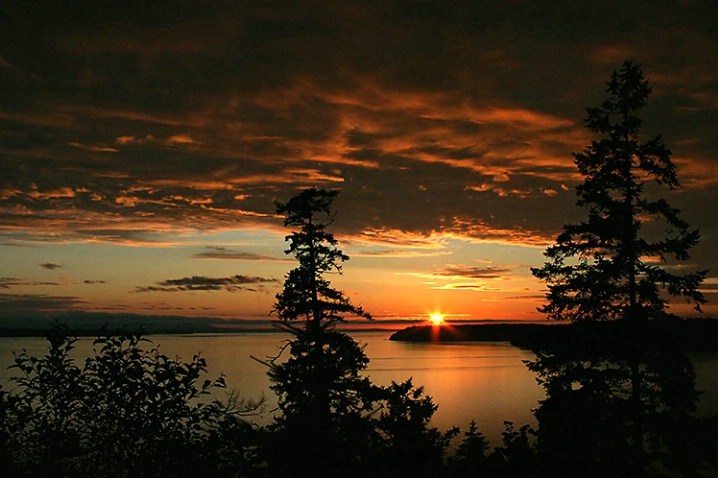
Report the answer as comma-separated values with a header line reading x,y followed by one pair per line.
x,y
143,145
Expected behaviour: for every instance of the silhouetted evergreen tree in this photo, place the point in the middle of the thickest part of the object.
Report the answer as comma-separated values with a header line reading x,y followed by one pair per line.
x,y
617,397
470,457
333,421
408,445
321,395
307,299
607,267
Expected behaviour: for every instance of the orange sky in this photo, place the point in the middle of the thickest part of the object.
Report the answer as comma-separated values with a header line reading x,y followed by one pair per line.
x,y
143,147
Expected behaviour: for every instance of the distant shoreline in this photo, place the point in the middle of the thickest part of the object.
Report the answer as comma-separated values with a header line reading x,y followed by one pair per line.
x,y
183,329
689,334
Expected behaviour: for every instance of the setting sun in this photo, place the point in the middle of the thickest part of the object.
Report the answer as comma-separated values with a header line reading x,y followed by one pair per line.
x,y
437,319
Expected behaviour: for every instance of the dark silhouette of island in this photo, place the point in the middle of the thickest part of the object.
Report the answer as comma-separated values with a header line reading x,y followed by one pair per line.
x,y
689,334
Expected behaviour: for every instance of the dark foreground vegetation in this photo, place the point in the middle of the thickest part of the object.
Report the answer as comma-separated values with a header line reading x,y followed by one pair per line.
x,y
127,411
131,411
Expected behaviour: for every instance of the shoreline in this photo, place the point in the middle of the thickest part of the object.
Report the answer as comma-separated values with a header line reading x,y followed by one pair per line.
x,y
688,334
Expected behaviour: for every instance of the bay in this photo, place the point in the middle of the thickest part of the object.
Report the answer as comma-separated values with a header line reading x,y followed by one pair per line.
x,y
482,381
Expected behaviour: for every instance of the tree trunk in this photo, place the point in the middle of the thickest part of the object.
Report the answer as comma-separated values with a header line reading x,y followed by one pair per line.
x,y
316,309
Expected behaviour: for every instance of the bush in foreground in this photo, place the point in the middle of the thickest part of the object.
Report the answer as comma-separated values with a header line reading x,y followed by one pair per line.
x,y
127,411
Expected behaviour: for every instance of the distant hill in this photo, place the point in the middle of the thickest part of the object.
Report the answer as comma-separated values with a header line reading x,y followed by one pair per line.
x,y
89,324
690,334
81,323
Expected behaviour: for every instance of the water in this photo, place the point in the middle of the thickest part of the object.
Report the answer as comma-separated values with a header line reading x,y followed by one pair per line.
x,y
485,382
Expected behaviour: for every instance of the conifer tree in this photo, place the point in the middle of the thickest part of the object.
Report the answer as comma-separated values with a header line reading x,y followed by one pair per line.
x,y
335,422
613,264
321,394
613,389
307,295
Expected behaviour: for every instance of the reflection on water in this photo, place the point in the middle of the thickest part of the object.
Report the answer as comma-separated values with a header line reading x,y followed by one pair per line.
x,y
486,382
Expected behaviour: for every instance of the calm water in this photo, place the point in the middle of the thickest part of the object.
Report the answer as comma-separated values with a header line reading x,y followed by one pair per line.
x,y
485,382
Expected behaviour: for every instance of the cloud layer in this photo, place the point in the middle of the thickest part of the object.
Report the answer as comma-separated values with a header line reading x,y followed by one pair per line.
x,y
135,123
195,283
205,117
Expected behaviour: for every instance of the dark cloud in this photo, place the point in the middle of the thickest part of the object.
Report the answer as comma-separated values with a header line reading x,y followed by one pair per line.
x,y
526,297
471,272
467,287
212,252
7,282
51,266
195,283
88,281
16,244
399,254
21,303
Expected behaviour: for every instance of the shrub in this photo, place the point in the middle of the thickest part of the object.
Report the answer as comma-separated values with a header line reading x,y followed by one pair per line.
x,y
127,412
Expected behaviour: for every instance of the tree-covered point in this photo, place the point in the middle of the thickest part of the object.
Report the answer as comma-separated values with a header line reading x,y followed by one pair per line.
x,y
615,263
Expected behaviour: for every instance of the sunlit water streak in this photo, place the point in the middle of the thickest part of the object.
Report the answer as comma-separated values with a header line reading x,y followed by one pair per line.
x,y
485,382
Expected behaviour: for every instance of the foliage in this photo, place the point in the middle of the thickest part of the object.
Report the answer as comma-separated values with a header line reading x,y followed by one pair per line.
x,y
626,401
517,456
334,388
617,402
334,421
323,401
410,446
608,266
470,458
322,397
126,412
321,377
307,294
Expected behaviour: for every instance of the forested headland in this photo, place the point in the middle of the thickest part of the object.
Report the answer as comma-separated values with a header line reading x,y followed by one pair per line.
x,y
690,334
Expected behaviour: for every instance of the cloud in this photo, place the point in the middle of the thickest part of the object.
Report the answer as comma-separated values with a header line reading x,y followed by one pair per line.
x,y
174,140
266,141
19,303
7,282
396,238
471,287
456,272
178,140
460,277
398,253
222,253
48,194
197,283
98,149
471,272
88,281
51,266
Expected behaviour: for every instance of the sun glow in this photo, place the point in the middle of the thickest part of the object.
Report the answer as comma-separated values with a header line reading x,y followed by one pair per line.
x,y
436,319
